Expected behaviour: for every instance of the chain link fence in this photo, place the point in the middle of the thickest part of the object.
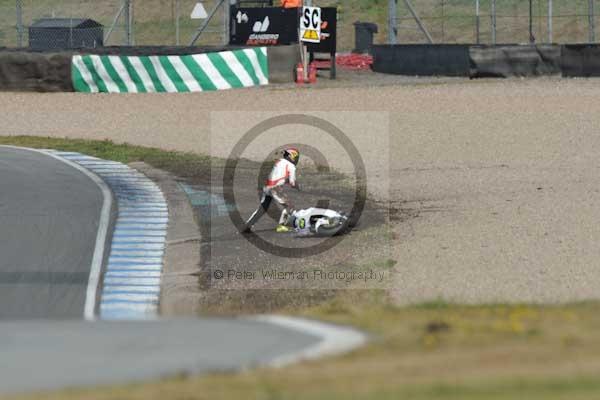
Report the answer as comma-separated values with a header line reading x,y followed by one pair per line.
x,y
168,22
495,21
126,22
160,22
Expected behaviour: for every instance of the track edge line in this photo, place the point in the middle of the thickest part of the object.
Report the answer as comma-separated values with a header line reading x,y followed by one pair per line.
x,y
89,310
334,339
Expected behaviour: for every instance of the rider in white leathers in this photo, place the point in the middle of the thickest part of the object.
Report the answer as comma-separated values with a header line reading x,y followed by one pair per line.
x,y
283,174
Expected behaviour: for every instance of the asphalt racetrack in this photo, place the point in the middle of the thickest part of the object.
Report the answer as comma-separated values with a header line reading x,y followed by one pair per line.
x,y
49,214
42,355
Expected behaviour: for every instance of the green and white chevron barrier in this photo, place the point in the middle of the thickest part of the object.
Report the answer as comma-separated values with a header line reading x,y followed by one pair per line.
x,y
189,73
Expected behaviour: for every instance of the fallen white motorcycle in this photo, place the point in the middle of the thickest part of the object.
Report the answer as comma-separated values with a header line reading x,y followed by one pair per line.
x,y
318,222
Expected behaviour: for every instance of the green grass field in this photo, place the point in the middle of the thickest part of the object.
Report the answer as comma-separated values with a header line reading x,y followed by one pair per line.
x,y
451,21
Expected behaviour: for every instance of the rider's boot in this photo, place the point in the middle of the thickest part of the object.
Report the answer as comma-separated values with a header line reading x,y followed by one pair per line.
x,y
283,219
282,229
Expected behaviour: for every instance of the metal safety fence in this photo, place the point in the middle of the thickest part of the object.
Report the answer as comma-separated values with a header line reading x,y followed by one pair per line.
x,y
492,21
169,22
124,22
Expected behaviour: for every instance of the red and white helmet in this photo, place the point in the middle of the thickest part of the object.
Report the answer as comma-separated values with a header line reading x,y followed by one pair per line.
x,y
292,155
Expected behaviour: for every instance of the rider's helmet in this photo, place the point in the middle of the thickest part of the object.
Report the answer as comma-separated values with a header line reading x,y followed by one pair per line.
x,y
292,155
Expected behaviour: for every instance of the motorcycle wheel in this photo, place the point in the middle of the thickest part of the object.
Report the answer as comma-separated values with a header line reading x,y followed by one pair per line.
x,y
333,230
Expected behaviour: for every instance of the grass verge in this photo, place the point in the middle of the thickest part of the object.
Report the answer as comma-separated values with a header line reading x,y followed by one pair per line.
x,y
179,163
431,351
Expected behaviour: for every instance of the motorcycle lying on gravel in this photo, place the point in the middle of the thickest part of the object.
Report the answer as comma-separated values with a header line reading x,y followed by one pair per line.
x,y
321,222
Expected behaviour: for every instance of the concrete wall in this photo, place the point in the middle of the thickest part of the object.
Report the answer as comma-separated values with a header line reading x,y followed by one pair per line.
x,y
282,60
580,60
29,71
514,60
35,72
422,60
487,61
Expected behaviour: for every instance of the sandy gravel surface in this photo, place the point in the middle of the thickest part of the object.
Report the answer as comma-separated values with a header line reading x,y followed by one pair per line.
x,y
500,177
